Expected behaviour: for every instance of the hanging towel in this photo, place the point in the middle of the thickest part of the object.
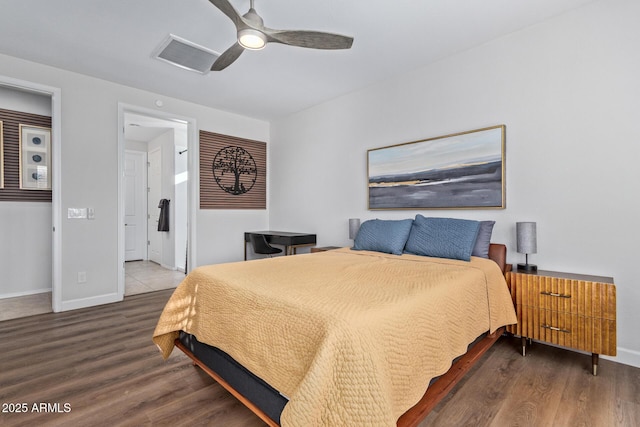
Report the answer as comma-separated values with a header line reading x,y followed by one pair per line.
x,y
163,220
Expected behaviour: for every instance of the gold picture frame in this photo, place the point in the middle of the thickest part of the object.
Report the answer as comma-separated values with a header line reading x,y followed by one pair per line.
x,y
35,157
464,170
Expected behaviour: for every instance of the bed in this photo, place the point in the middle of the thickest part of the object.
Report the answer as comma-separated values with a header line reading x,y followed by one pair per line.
x,y
342,337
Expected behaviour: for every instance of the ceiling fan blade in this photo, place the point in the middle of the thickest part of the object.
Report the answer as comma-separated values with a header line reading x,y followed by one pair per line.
x,y
228,57
310,39
226,8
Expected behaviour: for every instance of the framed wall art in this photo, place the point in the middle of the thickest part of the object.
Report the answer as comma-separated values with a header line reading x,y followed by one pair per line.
x,y
459,171
233,172
35,158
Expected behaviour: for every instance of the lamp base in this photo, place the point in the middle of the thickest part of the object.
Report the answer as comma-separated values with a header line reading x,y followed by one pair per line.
x,y
528,267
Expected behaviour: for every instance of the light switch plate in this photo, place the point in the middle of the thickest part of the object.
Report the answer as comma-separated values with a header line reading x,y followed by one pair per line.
x,y
76,213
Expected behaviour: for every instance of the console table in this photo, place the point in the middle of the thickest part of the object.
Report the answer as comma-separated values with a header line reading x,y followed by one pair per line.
x,y
290,241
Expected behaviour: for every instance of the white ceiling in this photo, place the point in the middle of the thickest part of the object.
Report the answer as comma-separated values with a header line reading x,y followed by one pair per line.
x,y
114,40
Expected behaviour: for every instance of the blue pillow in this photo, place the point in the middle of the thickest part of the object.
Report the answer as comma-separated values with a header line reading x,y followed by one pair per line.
x,y
443,237
386,236
481,248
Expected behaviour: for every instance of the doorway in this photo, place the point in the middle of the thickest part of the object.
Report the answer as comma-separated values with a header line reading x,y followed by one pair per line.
x,y
155,163
39,290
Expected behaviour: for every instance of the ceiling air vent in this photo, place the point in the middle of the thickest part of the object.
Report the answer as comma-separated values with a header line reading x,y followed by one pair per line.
x,y
185,54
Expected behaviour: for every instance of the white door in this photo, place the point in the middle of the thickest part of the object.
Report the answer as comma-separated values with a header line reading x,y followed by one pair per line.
x,y
154,175
135,205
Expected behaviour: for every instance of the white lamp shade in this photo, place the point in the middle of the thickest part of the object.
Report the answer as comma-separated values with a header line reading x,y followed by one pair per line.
x,y
526,237
354,226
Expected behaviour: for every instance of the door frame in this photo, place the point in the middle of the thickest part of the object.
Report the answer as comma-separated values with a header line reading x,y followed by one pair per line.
x,y
192,147
149,225
56,164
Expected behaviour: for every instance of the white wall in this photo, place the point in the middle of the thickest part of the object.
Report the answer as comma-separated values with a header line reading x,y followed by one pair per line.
x,y
27,102
25,248
89,177
569,93
25,229
135,145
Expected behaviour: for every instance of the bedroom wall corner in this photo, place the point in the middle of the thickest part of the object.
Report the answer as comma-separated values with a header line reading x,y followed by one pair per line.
x,y
567,91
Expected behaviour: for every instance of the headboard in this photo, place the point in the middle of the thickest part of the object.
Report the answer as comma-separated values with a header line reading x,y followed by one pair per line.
x,y
498,253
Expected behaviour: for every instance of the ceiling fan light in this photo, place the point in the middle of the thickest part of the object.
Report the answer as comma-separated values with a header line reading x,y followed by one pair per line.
x,y
251,39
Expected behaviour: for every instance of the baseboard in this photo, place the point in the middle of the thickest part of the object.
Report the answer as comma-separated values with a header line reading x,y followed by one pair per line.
x,y
626,357
90,302
25,293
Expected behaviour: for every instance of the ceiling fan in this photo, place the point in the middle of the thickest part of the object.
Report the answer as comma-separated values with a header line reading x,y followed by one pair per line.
x,y
253,35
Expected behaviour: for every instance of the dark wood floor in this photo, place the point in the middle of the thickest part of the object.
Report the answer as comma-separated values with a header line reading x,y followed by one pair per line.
x,y
102,364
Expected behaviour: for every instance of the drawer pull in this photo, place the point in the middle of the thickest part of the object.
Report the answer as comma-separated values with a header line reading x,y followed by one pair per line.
x,y
553,328
553,294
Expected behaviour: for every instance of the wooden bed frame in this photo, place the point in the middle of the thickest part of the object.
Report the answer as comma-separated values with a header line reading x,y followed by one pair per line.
x,y
435,392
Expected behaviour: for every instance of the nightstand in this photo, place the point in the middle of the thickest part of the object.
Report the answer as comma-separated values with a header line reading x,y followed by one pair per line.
x,y
570,310
324,248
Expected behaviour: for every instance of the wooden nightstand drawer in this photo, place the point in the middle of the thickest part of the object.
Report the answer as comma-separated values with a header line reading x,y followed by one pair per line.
x,y
592,299
551,326
589,334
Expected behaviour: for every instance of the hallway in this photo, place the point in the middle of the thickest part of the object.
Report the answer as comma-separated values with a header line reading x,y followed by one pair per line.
x,y
146,276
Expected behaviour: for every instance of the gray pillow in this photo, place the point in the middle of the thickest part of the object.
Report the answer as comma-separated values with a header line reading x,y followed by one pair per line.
x,y
442,237
481,248
388,236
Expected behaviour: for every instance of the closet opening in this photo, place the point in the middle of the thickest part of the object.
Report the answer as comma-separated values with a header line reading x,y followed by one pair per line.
x,y
29,198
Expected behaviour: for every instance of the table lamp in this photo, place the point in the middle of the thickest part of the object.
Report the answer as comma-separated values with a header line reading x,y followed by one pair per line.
x,y
354,226
526,244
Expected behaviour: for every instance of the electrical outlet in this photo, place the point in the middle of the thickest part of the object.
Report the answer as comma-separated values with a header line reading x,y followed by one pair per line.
x,y
82,277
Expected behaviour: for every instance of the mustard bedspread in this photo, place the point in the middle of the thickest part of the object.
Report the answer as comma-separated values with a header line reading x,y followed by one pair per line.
x,y
350,337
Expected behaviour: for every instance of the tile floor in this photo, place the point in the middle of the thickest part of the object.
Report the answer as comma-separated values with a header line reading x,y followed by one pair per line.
x,y
139,277
147,276
28,305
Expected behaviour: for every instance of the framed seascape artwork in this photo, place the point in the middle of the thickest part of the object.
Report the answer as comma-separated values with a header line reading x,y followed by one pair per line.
x,y
458,171
35,158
